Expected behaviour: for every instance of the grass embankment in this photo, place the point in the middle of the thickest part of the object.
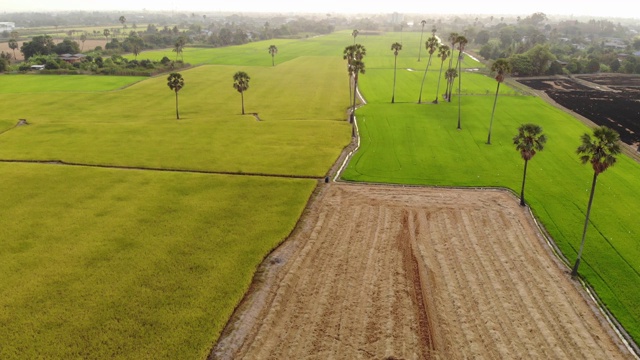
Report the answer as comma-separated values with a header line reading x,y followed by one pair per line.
x,y
103,263
419,144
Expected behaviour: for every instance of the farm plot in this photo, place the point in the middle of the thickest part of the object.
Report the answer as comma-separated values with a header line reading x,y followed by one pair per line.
x,y
415,273
606,100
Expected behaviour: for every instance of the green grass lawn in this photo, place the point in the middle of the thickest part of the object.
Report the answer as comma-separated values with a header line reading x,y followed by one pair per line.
x,y
29,84
408,143
301,104
124,264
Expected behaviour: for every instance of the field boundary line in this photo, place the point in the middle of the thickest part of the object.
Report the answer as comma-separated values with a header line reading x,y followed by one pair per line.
x,y
142,168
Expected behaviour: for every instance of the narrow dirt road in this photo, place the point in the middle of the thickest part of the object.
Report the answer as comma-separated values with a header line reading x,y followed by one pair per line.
x,y
381,272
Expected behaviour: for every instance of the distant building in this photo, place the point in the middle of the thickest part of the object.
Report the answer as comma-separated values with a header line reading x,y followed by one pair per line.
x,y
397,18
7,26
72,58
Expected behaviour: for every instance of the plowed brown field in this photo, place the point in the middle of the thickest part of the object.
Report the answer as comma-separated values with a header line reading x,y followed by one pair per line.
x,y
381,272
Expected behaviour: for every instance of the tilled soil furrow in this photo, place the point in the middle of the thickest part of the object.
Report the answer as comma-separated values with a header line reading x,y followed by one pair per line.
x,y
556,321
522,267
481,291
381,272
507,263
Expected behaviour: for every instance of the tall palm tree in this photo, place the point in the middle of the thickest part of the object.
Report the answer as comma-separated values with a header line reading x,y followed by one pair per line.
x,y
13,45
355,33
241,84
123,20
453,37
175,83
350,53
83,38
273,50
450,75
396,47
501,67
443,54
529,140
137,44
462,42
423,23
357,67
178,47
431,45
600,151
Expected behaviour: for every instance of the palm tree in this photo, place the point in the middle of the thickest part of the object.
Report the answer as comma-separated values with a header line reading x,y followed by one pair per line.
x,y
106,33
443,54
529,140
355,33
396,47
450,75
431,45
356,68
178,47
13,45
137,44
600,151
241,83
500,67
123,20
273,50
423,23
350,53
175,83
462,42
83,38
453,37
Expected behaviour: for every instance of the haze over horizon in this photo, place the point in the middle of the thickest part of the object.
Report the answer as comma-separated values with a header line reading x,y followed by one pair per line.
x,y
596,9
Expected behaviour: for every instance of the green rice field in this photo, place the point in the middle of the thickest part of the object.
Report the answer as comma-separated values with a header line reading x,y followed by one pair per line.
x,y
115,263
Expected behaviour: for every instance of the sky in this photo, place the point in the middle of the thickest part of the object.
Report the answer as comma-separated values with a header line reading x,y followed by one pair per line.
x,y
600,9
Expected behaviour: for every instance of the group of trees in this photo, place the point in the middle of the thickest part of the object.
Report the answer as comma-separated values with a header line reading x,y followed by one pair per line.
x,y
354,54
534,46
44,45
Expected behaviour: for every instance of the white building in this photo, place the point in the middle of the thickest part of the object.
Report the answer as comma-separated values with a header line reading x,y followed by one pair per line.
x,y
9,26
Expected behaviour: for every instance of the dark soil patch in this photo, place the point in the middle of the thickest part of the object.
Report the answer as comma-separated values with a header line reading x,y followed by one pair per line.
x,y
607,100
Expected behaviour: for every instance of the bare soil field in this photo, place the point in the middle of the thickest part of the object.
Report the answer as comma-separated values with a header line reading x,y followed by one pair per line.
x,y
381,272
608,99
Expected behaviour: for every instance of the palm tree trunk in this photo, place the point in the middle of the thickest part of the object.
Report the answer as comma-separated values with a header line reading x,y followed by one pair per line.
x,y
355,89
574,271
492,112
524,177
242,97
177,113
395,69
423,78
350,88
420,49
438,88
459,99
273,60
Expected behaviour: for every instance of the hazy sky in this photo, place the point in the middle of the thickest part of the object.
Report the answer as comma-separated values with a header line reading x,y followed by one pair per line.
x,y
609,8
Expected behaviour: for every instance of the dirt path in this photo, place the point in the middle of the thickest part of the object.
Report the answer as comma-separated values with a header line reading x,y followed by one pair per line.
x,y
381,272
